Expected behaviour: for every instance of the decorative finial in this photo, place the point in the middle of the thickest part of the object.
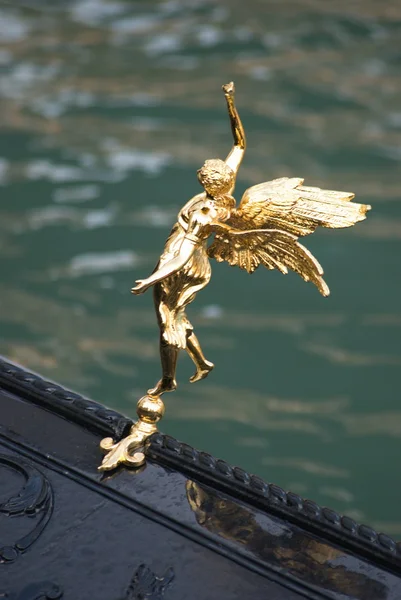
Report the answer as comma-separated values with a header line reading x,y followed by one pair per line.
x,y
263,230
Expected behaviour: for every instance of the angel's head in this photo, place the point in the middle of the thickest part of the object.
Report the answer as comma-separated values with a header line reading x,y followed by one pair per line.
x,y
216,177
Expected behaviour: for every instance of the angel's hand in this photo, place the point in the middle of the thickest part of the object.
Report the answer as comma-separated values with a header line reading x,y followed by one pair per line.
x,y
141,287
228,89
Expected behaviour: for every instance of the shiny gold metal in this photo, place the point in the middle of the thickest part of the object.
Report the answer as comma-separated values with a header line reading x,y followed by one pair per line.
x,y
129,450
263,230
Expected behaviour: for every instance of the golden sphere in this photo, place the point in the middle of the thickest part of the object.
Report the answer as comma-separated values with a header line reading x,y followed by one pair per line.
x,y
150,410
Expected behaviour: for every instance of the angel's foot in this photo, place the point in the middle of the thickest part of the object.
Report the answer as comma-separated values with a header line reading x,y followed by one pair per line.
x,y
164,385
202,371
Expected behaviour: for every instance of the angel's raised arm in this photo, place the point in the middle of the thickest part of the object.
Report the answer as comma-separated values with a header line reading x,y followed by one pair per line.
x,y
235,157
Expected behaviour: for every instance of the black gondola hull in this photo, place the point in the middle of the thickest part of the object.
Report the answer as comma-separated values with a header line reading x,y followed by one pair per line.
x,y
185,526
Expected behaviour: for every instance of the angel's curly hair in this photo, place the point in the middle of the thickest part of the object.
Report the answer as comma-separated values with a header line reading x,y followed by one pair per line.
x,y
216,177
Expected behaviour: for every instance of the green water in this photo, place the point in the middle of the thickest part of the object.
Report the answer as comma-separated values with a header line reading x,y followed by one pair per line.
x,y
108,109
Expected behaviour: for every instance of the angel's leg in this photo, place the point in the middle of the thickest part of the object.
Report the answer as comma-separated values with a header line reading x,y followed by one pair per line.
x,y
168,350
168,357
203,366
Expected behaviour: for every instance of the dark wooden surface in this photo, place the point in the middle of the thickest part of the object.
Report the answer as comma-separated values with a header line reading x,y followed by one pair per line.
x,y
185,526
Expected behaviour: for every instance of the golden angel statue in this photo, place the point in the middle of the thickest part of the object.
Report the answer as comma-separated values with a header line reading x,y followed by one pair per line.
x,y
263,230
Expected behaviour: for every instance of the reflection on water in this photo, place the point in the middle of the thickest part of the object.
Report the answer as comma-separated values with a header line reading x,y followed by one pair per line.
x,y
345,357
308,466
260,411
108,109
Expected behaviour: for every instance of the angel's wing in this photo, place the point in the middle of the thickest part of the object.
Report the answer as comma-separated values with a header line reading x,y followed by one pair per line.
x,y
287,204
272,248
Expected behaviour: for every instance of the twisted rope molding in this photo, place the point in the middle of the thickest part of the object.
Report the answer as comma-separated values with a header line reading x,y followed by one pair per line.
x,y
54,397
270,497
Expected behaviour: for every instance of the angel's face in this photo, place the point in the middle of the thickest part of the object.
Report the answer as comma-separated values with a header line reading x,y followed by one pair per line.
x,y
216,177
